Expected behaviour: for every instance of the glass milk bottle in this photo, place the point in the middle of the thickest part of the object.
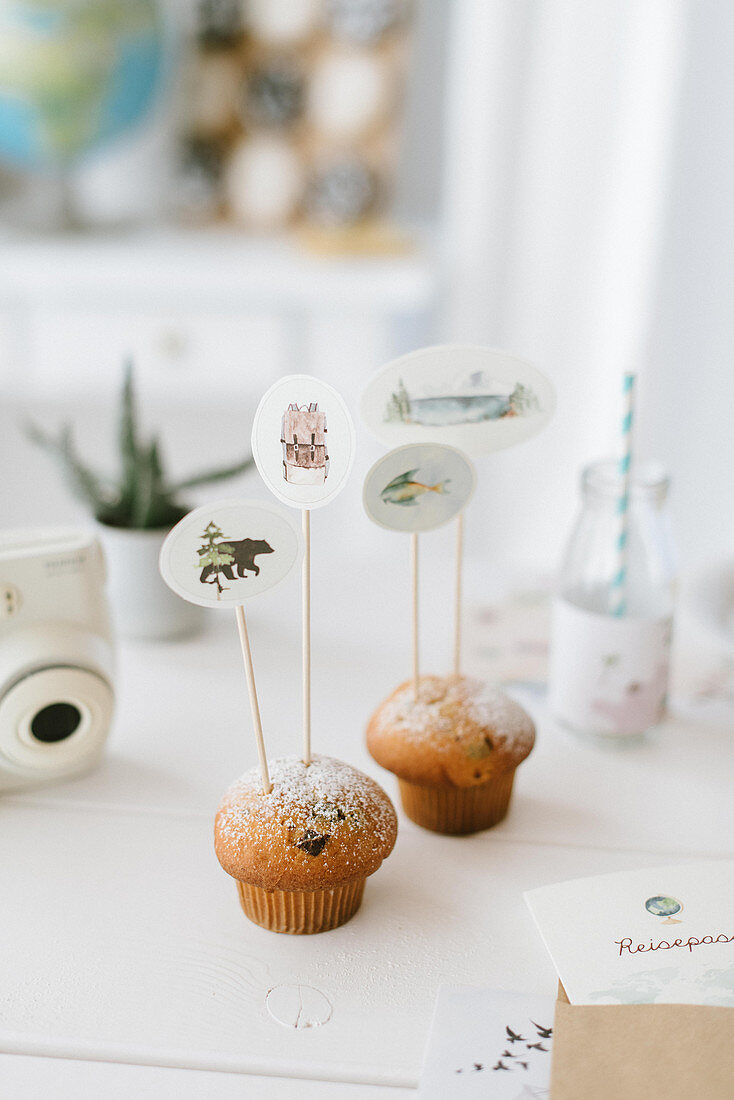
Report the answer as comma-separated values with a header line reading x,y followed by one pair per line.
x,y
610,645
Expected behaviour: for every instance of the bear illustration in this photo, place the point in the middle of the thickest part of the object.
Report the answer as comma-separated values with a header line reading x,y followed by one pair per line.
x,y
244,552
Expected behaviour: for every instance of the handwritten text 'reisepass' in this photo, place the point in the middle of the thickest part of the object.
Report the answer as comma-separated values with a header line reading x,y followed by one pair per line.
x,y
626,944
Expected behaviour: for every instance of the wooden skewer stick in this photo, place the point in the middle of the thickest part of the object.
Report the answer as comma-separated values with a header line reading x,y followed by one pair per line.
x,y
306,613
457,597
254,705
414,572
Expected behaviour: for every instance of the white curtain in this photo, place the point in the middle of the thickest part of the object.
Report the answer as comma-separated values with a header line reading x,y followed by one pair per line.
x,y
562,119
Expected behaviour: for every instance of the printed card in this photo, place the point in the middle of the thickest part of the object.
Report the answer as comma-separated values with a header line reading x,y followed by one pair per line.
x,y
485,1042
656,936
224,553
303,441
478,399
418,487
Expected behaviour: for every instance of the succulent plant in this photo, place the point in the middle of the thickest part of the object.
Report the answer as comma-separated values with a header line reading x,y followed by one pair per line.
x,y
141,497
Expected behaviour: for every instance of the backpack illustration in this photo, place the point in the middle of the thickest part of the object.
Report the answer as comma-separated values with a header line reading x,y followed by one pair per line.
x,y
305,455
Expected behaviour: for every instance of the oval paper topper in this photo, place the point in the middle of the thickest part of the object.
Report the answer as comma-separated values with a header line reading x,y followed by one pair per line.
x,y
303,441
418,487
477,399
225,553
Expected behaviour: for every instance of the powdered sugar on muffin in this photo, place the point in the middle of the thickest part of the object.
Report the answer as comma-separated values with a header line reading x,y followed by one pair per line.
x,y
443,704
319,825
459,731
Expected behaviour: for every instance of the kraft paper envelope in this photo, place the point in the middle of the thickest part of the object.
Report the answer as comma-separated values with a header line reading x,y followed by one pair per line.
x,y
635,1052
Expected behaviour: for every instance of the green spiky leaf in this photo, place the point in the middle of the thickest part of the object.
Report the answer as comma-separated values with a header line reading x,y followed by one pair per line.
x,y
83,482
128,419
210,476
142,497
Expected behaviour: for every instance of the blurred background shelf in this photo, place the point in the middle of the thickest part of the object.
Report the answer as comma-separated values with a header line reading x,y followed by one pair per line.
x,y
214,264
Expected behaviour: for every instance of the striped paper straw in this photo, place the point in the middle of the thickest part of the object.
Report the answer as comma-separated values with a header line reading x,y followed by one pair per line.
x,y
618,593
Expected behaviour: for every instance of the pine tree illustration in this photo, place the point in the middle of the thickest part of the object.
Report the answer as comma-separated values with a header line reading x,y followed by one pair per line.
x,y
523,400
398,407
392,410
403,401
217,555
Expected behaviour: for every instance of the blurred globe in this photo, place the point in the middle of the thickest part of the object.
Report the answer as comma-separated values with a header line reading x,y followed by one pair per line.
x,y
73,75
662,906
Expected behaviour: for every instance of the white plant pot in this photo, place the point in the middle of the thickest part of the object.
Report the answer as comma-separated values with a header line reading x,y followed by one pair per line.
x,y
143,606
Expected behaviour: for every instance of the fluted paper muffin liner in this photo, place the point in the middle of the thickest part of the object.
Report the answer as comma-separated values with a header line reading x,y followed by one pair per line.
x,y
301,912
458,810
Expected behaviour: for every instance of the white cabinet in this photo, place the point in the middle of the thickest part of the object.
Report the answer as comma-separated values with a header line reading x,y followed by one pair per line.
x,y
208,315
196,354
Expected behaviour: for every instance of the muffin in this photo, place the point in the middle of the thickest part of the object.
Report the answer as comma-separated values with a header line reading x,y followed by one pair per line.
x,y
301,854
454,750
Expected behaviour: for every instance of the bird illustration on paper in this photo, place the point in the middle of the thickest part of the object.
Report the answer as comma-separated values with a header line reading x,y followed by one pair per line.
x,y
507,1054
537,1046
513,1036
501,1065
478,1065
405,490
543,1032
524,1064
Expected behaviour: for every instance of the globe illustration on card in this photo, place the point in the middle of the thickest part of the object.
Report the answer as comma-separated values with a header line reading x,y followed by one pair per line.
x,y
663,906
73,76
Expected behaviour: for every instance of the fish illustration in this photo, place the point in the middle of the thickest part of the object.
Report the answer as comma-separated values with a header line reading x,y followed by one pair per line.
x,y
405,490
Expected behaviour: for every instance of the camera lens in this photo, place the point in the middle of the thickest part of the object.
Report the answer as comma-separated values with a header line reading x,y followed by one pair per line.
x,y
55,722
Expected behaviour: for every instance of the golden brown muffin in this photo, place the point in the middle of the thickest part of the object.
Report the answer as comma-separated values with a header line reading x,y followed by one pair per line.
x,y
301,854
454,750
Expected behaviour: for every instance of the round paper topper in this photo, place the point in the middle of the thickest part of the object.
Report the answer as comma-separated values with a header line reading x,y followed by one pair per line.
x,y
303,441
418,487
477,399
225,553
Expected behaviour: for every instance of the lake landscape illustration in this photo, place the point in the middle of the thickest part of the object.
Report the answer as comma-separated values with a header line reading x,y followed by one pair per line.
x,y
471,407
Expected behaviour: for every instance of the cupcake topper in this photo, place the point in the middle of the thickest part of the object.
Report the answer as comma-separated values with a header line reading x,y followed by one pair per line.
x,y
222,555
303,443
478,399
473,398
417,488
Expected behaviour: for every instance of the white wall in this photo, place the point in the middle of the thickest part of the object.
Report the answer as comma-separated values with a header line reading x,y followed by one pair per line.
x,y
688,396
589,175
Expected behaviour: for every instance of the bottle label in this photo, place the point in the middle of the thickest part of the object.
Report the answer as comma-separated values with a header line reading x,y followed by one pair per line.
x,y
608,675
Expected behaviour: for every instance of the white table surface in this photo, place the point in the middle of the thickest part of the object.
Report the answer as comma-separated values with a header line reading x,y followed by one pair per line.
x,y
128,967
